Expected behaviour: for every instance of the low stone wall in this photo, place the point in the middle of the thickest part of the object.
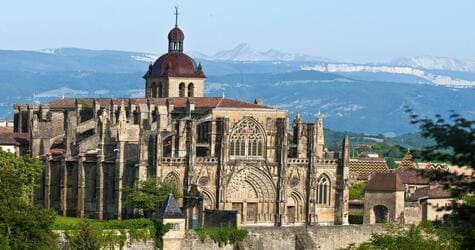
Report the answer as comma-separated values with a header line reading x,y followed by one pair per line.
x,y
280,238
314,237
129,245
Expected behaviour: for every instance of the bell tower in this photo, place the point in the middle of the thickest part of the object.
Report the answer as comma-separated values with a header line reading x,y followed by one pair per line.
x,y
174,74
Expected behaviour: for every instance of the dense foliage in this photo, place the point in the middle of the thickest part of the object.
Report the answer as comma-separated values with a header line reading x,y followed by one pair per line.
x,y
73,223
356,217
423,236
96,234
149,195
454,143
22,225
357,191
86,237
223,235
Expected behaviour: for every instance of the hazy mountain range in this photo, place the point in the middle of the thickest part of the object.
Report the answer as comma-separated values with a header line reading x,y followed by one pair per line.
x,y
354,97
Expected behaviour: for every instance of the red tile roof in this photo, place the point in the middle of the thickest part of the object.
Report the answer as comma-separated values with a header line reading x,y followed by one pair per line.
x,y
407,161
414,176
431,192
385,182
179,102
364,168
11,138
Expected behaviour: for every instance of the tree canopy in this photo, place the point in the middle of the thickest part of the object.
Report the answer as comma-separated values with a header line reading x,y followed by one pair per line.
x,y
149,195
22,225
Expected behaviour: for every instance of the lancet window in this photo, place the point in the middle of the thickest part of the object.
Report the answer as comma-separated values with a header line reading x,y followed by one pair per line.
x,y
323,190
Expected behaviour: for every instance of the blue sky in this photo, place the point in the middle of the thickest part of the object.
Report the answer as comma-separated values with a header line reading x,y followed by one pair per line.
x,y
346,30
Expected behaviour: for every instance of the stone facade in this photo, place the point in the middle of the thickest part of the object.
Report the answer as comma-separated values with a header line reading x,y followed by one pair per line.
x,y
239,156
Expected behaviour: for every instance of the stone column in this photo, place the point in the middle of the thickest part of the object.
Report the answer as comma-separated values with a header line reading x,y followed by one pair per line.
x,y
343,178
141,174
100,188
120,163
281,158
81,187
222,161
63,186
212,138
182,138
158,156
47,183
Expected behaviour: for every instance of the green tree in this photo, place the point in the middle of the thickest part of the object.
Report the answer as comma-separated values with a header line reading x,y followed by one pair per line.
x,y
357,191
149,195
87,237
454,143
22,225
423,236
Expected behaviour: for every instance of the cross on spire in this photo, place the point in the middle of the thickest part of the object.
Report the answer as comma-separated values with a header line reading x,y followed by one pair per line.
x,y
176,15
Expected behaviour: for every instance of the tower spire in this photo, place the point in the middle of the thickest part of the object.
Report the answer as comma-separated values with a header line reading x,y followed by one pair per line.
x,y
176,15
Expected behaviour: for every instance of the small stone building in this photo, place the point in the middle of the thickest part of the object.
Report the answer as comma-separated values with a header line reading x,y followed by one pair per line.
x,y
384,198
406,195
240,156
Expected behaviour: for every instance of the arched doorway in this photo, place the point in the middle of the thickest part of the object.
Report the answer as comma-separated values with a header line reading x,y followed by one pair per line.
x,y
380,213
251,193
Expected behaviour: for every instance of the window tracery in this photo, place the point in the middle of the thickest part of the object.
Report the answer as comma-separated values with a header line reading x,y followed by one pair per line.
x,y
247,140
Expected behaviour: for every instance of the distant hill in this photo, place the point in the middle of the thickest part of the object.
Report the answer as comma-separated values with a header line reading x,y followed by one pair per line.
x,y
360,98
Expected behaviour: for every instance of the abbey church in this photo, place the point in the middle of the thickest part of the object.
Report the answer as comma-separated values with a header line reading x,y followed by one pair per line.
x,y
230,154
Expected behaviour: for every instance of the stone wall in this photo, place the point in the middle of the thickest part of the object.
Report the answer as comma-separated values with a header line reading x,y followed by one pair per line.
x,y
288,238
279,238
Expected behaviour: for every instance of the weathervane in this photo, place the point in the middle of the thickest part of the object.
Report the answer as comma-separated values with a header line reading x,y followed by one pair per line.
x,y
176,15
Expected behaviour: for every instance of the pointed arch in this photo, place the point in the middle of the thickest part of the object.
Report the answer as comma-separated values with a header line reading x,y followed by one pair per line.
x,y
251,183
208,199
247,139
173,180
323,190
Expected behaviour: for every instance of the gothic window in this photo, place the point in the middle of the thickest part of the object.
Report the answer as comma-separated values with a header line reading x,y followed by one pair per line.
x,y
247,140
191,90
182,89
323,190
160,89
173,180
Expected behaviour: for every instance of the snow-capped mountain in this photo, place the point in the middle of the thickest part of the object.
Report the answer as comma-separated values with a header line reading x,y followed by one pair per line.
x,y
424,75
436,63
244,52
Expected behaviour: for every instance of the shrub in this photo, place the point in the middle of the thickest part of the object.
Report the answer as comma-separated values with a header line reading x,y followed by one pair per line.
x,y
355,218
87,237
222,235
357,191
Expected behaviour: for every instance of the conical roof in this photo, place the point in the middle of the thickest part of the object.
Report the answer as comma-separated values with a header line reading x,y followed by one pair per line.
x,y
169,209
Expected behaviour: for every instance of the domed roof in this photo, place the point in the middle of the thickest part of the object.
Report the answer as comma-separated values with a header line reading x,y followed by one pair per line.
x,y
175,64
176,34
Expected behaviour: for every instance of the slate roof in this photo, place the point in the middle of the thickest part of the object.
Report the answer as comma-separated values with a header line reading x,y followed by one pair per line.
x,y
178,102
169,209
363,168
385,182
